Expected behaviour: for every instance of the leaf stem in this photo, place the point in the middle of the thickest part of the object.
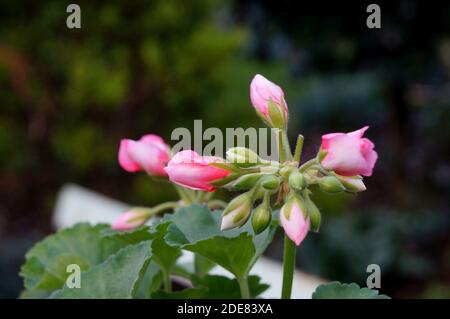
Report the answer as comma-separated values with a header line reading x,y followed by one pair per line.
x,y
167,281
288,267
198,269
243,284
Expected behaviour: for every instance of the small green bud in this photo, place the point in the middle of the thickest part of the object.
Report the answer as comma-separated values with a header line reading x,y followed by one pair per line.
x,y
246,181
261,217
331,184
270,182
314,216
237,212
242,156
296,181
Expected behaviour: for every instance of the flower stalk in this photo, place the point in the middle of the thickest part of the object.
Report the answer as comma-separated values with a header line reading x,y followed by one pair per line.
x,y
289,252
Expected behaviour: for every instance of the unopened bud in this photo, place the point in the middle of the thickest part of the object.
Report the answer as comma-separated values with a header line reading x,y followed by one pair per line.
x,y
261,218
246,181
296,181
294,219
277,114
242,156
352,183
331,184
237,211
131,219
270,182
314,215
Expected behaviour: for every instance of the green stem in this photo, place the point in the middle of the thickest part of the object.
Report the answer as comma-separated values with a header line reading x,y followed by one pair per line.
x,y
216,203
243,284
168,205
182,195
288,267
167,282
307,165
186,195
149,212
280,146
198,269
286,145
298,148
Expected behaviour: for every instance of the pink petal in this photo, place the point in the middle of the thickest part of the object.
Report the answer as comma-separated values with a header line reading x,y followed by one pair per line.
x,y
296,227
125,160
359,133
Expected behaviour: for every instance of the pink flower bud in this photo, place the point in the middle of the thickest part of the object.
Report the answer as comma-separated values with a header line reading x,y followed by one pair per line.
x,y
133,218
149,154
262,91
349,154
191,170
294,219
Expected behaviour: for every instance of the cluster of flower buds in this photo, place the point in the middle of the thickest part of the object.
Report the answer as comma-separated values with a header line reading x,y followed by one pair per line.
x,y
342,160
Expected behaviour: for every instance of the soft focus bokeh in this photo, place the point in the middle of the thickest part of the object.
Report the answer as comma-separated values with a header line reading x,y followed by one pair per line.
x,y
68,96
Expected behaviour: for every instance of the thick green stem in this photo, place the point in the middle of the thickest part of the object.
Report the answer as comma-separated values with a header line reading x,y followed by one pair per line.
x,y
288,267
243,284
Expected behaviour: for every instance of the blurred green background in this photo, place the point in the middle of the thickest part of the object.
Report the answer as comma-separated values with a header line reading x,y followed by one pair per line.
x,y
68,96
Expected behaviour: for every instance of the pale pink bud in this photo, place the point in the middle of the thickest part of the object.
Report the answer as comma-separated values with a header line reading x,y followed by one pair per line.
x,y
293,218
262,91
349,154
352,183
191,170
149,154
133,218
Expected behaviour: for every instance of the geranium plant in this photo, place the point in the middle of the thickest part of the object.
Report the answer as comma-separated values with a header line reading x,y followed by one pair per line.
x,y
136,259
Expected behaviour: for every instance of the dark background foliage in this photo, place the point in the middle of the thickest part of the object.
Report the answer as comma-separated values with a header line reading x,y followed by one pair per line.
x,y
68,96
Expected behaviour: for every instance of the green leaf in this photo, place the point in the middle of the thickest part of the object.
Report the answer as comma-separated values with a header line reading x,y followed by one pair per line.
x,y
234,254
189,293
202,265
113,240
165,255
196,229
34,294
337,290
46,263
215,287
116,278
150,282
